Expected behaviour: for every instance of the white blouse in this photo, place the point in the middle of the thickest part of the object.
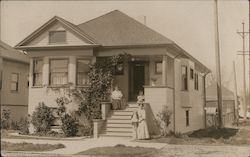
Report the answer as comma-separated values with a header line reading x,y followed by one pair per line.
x,y
116,94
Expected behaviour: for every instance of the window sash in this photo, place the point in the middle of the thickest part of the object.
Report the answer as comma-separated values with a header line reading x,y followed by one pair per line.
x,y
196,81
57,37
158,67
58,78
37,79
184,78
14,82
58,71
187,117
82,71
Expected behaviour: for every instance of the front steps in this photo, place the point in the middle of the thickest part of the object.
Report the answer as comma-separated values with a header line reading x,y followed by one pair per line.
x,y
118,124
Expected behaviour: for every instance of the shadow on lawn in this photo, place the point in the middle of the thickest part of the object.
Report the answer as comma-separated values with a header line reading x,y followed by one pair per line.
x,y
214,133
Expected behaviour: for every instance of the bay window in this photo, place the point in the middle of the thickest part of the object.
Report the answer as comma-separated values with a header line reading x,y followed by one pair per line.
x,y
82,71
58,71
37,72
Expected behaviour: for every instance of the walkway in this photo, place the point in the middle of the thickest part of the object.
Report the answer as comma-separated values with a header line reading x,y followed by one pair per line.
x,y
76,146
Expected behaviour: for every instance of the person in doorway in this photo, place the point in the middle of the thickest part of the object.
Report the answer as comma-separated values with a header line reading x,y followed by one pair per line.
x,y
116,99
140,97
142,130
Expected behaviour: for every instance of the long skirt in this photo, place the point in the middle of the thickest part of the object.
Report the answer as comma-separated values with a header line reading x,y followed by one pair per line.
x,y
142,130
116,104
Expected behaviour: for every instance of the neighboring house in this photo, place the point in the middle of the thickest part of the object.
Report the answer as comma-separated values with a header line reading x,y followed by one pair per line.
x,y
14,72
61,51
228,104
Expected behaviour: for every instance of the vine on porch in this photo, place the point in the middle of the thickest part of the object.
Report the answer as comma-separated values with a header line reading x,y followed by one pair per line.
x,y
100,76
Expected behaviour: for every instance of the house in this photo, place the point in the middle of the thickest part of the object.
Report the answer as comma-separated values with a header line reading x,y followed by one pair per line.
x,y
60,52
228,104
14,72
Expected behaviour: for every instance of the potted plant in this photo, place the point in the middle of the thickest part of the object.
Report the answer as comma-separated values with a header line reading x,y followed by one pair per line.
x,y
153,81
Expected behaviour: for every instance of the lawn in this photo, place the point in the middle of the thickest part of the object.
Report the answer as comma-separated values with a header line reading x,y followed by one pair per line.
x,y
8,146
212,136
119,150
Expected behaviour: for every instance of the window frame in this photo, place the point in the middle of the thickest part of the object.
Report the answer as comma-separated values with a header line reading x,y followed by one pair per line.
x,y
183,87
156,71
187,115
77,67
191,73
67,73
34,73
196,81
53,31
17,82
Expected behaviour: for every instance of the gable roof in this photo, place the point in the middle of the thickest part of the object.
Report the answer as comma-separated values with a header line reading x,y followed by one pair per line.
x,y
64,22
116,28
7,52
211,93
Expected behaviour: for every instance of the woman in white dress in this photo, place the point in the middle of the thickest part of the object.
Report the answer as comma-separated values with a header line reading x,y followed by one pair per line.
x,y
142,130
116,97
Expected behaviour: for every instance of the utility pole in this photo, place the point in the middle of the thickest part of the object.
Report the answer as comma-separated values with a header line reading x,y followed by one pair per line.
x,y
243,34
218,70
236,107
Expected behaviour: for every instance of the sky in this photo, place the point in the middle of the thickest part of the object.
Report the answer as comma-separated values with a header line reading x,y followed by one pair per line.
x,y
189,23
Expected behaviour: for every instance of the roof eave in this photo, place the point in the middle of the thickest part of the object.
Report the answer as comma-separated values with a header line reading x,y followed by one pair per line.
x,y
55,47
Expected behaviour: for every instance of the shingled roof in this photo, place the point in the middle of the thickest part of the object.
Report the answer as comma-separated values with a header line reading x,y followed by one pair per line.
x,y
211,93
116,28
7,52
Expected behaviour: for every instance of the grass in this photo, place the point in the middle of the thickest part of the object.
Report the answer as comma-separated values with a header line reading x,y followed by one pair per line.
x,y
8,146
214,133
119,150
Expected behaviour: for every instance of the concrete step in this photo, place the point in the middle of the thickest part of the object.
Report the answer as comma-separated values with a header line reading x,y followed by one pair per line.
x,y
133,105
115,129
119,125
127,117
119,121
116,134
123,112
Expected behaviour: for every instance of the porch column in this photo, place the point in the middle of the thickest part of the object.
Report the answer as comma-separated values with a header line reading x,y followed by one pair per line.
x,y
164,70
31,73
72,70
45,71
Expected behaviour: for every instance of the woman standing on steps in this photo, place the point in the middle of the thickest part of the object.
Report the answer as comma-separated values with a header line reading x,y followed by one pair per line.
x,y
142,130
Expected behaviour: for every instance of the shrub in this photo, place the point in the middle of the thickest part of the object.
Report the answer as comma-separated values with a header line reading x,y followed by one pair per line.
x,y
14,125
42,118
164,120
69,125
85,130
24,126
5,119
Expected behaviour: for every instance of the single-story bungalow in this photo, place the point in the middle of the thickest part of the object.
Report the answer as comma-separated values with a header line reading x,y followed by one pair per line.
x,y
60,52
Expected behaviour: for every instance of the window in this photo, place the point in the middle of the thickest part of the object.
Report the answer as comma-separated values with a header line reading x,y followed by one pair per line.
x,y
57,37
196,81
14,82
82,71
158,67
58,72
37,72
191,74
187,117
184,78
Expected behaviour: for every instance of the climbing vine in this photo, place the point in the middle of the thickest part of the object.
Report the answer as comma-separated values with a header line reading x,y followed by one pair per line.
x,y
100,76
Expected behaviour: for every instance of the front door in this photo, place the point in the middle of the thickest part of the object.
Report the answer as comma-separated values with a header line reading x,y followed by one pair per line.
x,y
136,79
